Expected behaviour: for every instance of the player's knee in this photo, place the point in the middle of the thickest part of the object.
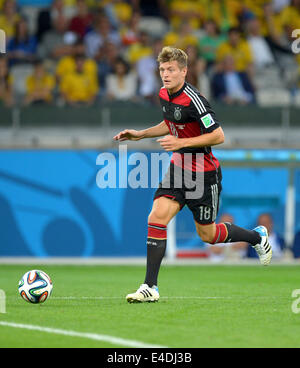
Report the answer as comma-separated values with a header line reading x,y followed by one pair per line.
x,y
158,216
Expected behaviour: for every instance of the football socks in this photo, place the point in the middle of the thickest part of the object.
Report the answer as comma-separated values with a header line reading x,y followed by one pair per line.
x,y
156,248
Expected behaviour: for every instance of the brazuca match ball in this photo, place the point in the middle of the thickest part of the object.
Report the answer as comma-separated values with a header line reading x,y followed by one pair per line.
x,y
35,286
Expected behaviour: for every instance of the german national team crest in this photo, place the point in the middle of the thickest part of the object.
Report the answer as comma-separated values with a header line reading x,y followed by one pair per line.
x,y
177,113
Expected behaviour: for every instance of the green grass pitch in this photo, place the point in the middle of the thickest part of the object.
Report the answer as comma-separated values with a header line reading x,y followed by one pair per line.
x,y
200,306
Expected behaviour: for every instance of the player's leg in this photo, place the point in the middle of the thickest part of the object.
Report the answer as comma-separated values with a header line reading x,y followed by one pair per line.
x,y
163,210
231,233
226,233
205,211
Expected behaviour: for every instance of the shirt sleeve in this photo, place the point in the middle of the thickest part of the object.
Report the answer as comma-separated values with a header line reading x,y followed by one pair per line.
x,y
202,112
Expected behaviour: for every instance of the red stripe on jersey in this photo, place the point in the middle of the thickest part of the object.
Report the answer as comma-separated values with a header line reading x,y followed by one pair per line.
x,y
183,99
201,162
163,93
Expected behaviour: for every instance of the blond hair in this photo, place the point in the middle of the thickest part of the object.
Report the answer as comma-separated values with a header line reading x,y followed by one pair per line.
x,y
169,53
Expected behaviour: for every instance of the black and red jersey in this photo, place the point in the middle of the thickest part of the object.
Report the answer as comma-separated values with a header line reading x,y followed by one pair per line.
x,y
188,114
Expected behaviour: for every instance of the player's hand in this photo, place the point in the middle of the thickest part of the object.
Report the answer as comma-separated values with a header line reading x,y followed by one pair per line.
x,y
128,134
171,143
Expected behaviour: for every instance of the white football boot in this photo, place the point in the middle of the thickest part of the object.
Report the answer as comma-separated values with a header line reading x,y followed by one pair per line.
x,y
144,294
263,249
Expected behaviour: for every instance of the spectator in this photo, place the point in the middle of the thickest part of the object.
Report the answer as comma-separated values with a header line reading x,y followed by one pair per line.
x,y
81,23
54,43
210,42
130,30
9,18
273,28
225,13
269,20
148,77
121,84
22,47
67,64
79,88
239,49
260,49
119,12
6,81
39,85
232,86
182,38
187,12
140,49
46,17
106,58
279,39
275,240
290,18
101,33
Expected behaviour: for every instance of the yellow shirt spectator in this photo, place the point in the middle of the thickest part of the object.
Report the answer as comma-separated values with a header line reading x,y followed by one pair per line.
x,y
224,13
138,51
241,54
67,65
9,17
123,11
182,42
290,17
8,26
258,9
79,87
35,84
190,11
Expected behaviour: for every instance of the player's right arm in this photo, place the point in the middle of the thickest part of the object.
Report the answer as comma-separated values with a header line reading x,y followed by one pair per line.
x,y
158,130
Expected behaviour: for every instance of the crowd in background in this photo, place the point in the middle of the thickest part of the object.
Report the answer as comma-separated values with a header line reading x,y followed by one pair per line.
x,y
79,52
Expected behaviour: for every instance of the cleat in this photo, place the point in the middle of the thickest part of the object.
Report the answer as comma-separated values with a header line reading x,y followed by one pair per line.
x,y
263,249
144,294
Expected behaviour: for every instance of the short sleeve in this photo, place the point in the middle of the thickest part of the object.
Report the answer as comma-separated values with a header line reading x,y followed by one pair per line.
x,y
203,113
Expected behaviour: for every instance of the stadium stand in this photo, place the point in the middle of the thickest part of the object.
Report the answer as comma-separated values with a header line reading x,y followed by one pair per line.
x,y
255,33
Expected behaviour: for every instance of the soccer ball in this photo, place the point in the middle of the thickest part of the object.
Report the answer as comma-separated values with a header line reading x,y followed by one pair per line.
x,y
35,286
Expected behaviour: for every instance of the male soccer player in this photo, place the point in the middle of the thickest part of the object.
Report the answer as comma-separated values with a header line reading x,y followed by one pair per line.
x,y
189,126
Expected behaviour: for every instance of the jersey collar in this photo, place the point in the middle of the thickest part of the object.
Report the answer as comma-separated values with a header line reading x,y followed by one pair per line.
x,y
176,94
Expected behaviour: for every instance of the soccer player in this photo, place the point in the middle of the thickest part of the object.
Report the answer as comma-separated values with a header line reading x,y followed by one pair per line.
x,y
190,127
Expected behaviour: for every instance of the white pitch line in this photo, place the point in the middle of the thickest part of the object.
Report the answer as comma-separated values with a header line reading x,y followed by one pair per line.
x,y
86,335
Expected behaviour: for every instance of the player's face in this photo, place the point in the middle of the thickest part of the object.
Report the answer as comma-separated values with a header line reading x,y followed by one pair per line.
x,y
172,75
